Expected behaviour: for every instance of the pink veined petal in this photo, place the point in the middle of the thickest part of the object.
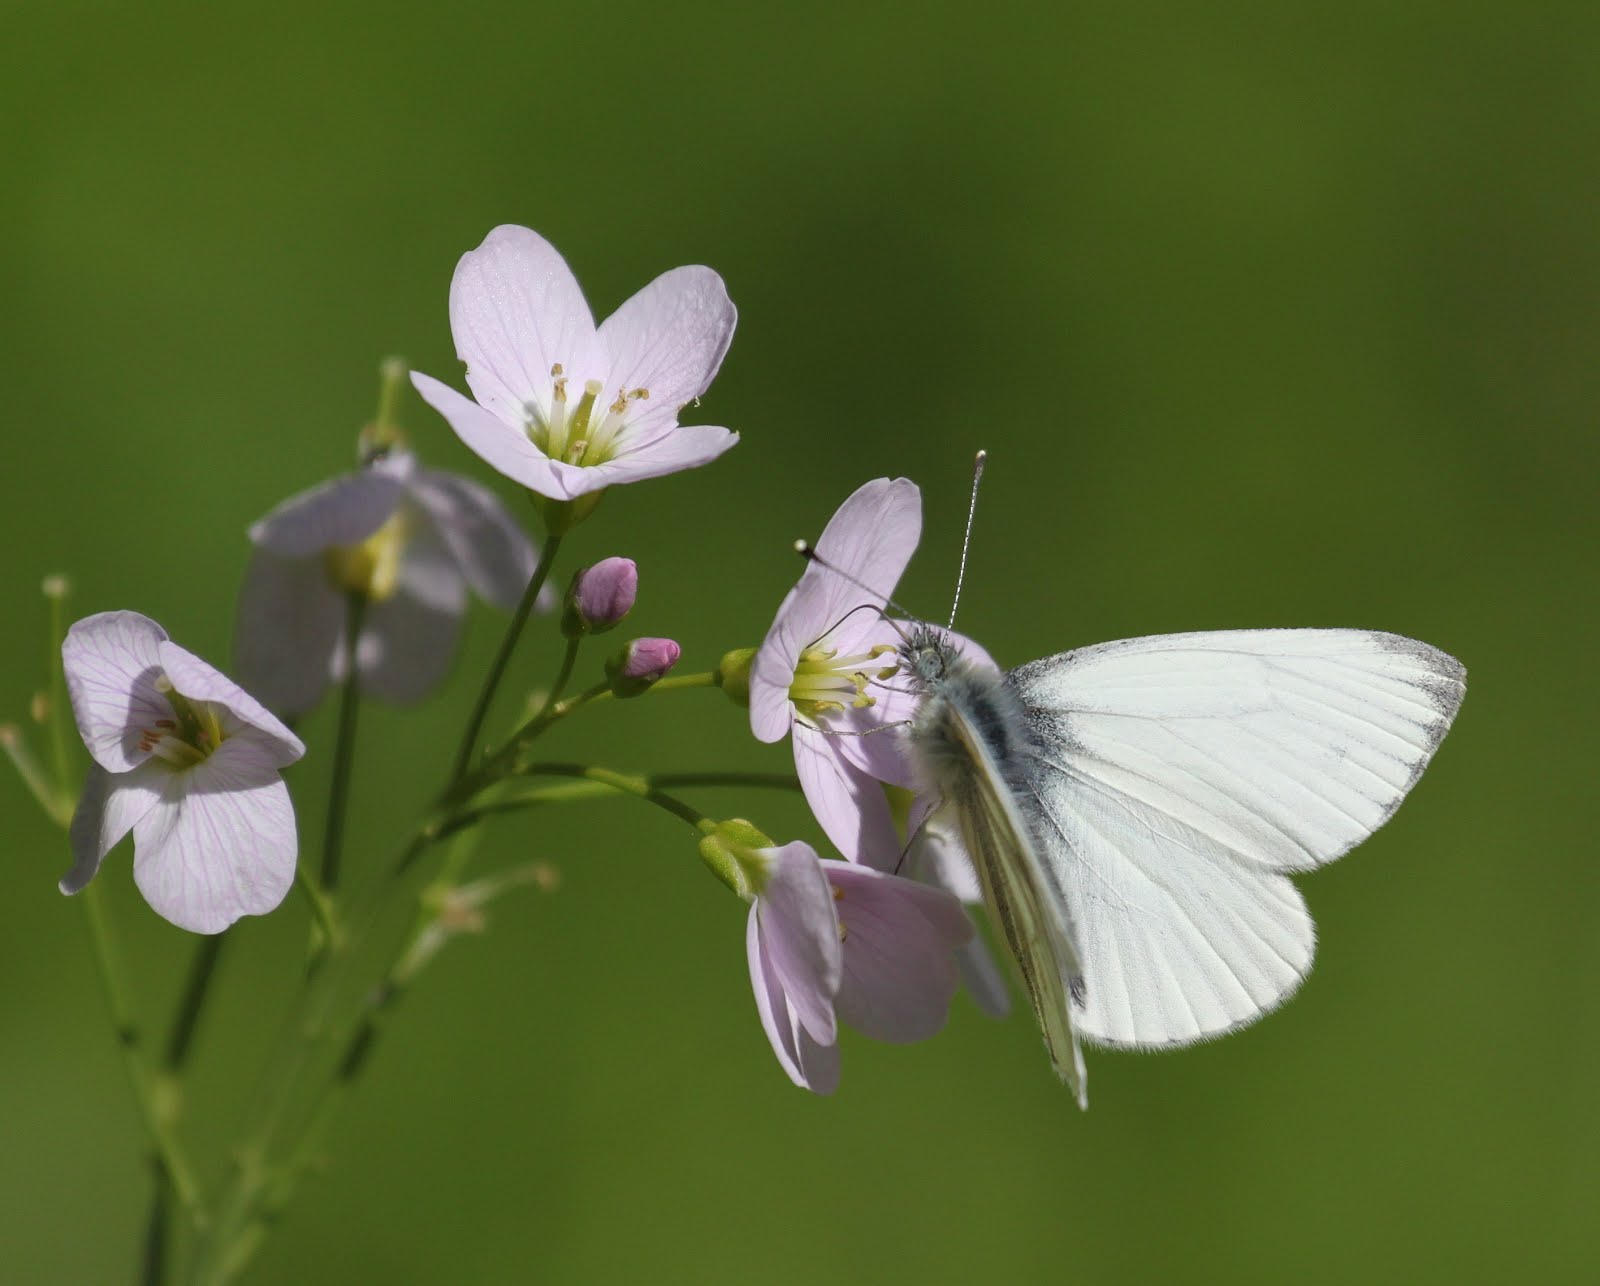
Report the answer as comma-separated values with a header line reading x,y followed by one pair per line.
x,y
504,447
870,539
221,842
669,338
408,641
937,857
880,750
771,673
286,630
683,448
341,511
111,662
825,608
849,805
493,552
809,1065
516,310
899,963
983,978
107,810
200,681
801,934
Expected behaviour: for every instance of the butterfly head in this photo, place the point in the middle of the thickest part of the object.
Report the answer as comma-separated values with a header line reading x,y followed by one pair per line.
x,y
926,657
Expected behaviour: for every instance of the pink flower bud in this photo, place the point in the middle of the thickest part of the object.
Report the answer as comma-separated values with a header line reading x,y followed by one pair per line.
x,y
640,664
600,597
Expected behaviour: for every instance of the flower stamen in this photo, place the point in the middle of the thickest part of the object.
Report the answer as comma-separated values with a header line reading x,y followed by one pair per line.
x,y
824,682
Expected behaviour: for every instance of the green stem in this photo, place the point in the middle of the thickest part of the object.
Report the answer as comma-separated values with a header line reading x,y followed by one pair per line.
x,y
167,1153
569,659
638,785
58,701
202,969
344,746
153,1265
480,711
51,796
503,760
321,907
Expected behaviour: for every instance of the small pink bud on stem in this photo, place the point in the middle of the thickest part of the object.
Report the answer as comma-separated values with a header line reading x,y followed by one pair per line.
x,y
638,666
600,597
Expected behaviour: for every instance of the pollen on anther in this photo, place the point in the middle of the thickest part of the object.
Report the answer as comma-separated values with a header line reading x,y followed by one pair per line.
x,y
640,394
557,370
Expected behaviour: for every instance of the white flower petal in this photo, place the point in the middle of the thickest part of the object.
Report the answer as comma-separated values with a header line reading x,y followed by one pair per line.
x,y
221,842
849,805
516,310
809,1064
867,543
983,978
504,447
342,511
800,934
286,631
493,552
201,681
408,641
680,449
109,807
111,661
669,338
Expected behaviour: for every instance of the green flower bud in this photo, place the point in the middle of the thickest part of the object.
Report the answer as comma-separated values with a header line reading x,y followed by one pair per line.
x,y
733,674
729,849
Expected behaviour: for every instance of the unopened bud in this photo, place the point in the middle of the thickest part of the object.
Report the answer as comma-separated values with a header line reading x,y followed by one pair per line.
x,y
638,666
733,674
599,598
731,850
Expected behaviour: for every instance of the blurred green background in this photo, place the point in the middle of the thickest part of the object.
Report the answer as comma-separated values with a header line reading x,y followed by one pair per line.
x,y
1267,314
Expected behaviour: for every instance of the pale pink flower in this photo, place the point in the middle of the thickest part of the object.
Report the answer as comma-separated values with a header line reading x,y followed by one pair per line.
x,y
828,671
189,763
830,941
411,541
567,408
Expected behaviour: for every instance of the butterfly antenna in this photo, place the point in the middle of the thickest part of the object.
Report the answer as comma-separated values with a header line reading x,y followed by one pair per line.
x,y
978,462
808,551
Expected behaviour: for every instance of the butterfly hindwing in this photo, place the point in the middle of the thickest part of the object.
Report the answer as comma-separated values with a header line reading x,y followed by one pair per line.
x,y
1172,782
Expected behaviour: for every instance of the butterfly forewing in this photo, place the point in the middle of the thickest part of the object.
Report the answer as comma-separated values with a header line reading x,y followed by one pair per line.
x,y
1027,905
1175,778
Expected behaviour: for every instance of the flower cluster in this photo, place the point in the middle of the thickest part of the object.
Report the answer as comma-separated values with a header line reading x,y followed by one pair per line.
x,y
362,583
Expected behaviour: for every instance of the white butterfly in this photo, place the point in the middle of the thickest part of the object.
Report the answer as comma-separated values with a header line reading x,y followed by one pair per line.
x,y
1134,810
